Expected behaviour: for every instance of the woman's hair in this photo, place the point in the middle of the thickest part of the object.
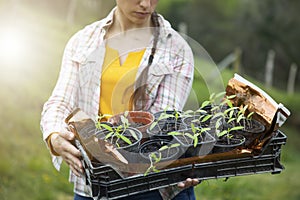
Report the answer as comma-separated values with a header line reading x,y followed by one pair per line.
x,y
139,97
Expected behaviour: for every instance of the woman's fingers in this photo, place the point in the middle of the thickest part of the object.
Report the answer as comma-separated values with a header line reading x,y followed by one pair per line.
x,y
70,148
71,155
75,171
67,135
188,183
181,184
195,182
74,163
61,142
62,145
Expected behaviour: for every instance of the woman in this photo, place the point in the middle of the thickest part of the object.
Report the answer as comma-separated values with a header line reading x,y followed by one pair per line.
x,y
153,70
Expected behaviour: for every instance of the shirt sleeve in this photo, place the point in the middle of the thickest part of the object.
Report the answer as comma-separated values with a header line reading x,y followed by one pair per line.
x,y
63,99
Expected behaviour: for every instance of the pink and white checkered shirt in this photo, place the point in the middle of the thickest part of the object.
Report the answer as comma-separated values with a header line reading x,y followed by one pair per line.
x,y
169,82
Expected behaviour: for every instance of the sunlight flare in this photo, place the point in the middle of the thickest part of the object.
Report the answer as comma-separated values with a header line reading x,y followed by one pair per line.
x,y
12,46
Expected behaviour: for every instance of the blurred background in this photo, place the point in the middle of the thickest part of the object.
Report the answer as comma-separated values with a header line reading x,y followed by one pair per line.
x,y
257,39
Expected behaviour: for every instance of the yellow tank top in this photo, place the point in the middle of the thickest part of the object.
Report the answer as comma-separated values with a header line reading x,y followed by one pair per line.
x,y
117,81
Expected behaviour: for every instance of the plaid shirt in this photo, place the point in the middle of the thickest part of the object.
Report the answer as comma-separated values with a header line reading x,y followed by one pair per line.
x,y
78,86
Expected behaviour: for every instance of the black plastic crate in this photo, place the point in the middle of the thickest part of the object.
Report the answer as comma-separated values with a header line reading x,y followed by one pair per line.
x,y
108,184
274,144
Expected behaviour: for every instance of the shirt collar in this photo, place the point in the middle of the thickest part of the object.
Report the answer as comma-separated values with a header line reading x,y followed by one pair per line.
x,y
93,36
108,20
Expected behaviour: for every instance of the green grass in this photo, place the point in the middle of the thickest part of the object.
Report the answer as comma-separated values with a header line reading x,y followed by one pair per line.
x,y
26,171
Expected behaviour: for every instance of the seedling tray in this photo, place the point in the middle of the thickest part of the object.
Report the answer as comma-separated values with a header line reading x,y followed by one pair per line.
x,y
106,183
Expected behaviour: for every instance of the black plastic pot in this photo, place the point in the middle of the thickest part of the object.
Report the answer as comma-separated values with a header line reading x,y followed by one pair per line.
x,y
153,146
251,127
128,151
88,132
204,146
165,125
228,142
196,120
162,128
252,130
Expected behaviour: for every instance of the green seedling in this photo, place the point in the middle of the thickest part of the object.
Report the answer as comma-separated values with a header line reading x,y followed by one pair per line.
x,y
155,157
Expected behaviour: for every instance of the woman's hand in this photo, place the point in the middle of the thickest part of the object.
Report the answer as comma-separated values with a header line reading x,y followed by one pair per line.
x,y
61,144
188,183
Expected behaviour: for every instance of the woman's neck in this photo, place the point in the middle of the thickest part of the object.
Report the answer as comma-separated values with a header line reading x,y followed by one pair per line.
x,y
126,37
122,23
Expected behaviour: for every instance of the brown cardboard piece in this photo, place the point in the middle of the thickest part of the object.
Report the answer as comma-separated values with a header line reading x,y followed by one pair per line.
x,y
84,129
266,110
